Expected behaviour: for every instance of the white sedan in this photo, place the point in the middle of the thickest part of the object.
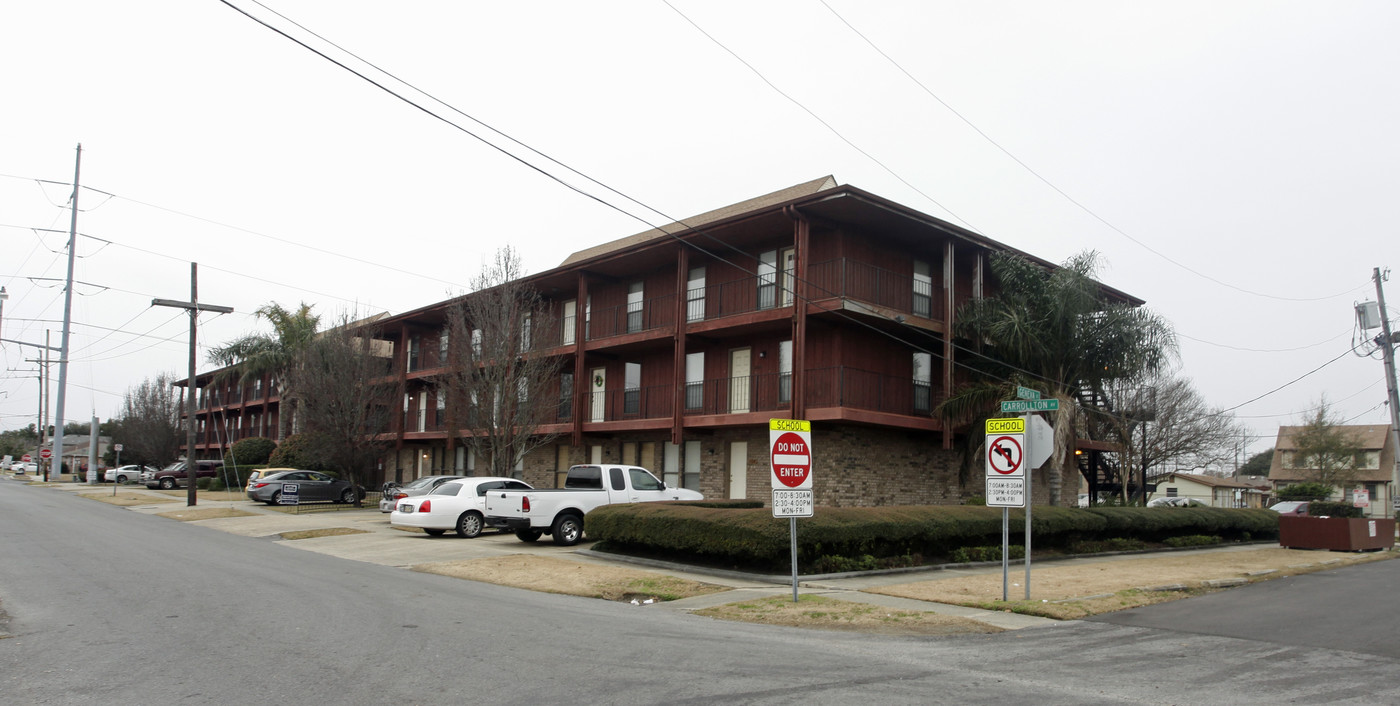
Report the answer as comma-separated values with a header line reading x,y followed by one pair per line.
x,y
126,473
454,505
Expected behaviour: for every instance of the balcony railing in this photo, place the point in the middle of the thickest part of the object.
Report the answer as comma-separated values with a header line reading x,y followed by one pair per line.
x,y
852,279
633,317
862,389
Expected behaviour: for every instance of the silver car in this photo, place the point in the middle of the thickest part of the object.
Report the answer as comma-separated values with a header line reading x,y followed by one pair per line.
x,y
126,473
418,486
312,486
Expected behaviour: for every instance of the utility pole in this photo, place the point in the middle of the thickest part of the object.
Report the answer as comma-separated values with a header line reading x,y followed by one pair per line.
x,y
67,317
1387,343
194,307
43,398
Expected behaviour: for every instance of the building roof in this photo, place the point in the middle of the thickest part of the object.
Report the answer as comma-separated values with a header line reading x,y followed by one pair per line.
x,y
1367,437
1211,481
770,199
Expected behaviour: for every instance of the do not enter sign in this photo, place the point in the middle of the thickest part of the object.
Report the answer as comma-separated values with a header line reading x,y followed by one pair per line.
x,y
791,453
45,453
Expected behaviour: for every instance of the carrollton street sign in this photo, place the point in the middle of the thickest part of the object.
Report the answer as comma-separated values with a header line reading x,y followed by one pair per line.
x,y
1029,405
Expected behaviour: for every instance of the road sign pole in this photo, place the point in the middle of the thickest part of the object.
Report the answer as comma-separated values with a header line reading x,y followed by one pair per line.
x,y
1030,501
1005,549
793,533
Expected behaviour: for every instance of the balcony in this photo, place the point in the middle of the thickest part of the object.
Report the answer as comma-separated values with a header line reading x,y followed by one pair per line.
x,y
862,389
635,317
849,279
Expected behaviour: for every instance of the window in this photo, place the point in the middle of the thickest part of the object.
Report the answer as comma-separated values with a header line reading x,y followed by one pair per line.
x,y
447,489
616,479
525,322
923,290
413,353
566,396
785,371
641,480
923,382
422,411
768,279
695,295
691,478
258,389
632,388
671,465
570,319
407,421
440,415
788,257
634,307
476,342
442,346
694,380
587,317
1171,492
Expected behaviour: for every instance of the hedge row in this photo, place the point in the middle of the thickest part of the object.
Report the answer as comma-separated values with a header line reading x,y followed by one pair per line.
x,y
751,538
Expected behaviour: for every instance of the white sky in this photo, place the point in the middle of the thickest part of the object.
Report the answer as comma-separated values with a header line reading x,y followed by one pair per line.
x,y
1251,142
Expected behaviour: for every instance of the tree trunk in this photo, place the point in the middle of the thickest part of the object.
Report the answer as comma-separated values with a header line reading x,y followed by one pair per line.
x,y
1064,438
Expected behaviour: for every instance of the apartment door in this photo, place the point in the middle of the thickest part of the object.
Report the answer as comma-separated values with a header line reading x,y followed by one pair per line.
x,y
598,384
739,380
738,470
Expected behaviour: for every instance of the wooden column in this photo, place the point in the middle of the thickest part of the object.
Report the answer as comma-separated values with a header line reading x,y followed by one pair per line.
x,y
678,360
802,293
581,381
949,282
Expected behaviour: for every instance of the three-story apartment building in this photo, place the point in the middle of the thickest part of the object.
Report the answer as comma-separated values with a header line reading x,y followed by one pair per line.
x,y
820,301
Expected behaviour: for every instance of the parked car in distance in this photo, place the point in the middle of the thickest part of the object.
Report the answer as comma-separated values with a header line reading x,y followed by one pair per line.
x,y
1291,507
418,486
559,512
175,475
1175,502
22,467
454,505
262,473
123,474
312,486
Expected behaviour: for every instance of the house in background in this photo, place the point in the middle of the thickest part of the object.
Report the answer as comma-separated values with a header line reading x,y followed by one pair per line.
x,y
1211,490
1374,474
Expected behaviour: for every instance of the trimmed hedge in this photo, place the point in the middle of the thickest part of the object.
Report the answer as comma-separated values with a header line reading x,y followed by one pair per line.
x,y
751,538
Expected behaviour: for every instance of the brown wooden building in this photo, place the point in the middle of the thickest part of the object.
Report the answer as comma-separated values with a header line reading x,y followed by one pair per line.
x,y
820,301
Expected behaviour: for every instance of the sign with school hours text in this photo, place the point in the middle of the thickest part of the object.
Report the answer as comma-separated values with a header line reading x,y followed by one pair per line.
x,y
790,449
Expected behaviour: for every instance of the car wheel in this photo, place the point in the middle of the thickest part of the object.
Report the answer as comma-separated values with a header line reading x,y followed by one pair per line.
x,y
568,530
435,532
121,479
348,497
469,524
167,483
276,498
527,535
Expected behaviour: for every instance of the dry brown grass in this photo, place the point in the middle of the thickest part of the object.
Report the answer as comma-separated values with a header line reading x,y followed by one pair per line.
x,y
550,575
127,498
204,513
825,613
326,532
1086,588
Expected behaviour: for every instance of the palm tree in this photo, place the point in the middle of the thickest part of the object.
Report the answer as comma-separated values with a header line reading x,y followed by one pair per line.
x,y
1056,331
274,355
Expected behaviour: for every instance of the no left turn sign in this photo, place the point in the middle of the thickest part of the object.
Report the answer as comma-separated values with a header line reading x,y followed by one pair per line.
x,y
1004,455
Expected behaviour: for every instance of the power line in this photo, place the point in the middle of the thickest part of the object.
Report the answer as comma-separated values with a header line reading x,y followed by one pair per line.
x,y
1057,189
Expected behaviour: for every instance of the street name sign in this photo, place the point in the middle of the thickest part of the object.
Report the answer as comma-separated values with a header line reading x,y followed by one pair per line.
x,y
1029,405
1026,393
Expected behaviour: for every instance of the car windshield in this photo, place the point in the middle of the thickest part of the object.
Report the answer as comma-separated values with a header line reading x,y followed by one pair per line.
x,y
1286,507
423,482
274,476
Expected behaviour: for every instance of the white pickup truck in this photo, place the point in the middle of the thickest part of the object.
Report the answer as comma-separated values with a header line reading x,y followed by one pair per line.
x,y
559,512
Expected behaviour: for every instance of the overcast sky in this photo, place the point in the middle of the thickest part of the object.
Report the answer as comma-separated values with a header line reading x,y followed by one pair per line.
x,y
1234,162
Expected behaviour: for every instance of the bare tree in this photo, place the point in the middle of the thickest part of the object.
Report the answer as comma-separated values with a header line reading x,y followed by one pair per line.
x,y
498,389
346,395
1325,451
150,429
1161,420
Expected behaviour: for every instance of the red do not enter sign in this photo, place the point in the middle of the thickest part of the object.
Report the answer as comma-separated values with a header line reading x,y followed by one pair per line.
x,y
792,459
45,453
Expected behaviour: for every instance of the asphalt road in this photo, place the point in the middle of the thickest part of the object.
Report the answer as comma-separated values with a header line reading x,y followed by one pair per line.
x,y
108,606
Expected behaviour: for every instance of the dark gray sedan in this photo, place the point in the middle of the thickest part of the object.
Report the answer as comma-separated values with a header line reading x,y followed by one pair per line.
x,y
312,486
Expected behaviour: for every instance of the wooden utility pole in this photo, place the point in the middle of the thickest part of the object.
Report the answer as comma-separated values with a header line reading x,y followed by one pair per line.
x,y
194,307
